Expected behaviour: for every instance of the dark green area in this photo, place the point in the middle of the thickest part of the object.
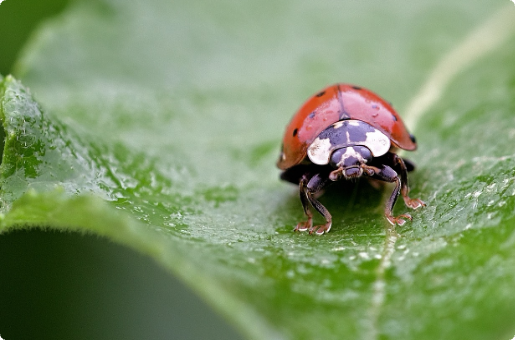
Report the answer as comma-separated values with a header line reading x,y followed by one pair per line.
x,y
19,19
69,286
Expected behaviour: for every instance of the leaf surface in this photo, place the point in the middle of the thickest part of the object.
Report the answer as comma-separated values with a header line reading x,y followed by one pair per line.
x,y
162,123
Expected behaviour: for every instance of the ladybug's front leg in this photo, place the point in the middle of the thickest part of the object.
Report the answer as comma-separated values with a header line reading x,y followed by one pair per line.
x,y
388,174
307,192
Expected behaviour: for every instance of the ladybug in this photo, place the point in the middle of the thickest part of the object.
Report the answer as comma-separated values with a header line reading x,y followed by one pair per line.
x,y
342,133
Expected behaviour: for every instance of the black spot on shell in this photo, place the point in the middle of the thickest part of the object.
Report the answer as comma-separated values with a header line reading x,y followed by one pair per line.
x,y
295,132
356,87
320,94
312,114
412,138
394,118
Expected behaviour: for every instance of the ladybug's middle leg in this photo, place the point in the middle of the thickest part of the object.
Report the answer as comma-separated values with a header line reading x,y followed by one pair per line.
x,y
388,174
308,189
399,164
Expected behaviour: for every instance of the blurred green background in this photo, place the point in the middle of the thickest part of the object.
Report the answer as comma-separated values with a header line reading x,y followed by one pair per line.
x,y
18,19
69,286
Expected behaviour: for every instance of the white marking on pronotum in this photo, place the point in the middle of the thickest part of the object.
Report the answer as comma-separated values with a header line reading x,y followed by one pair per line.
x,y
488,37
320,150
377,142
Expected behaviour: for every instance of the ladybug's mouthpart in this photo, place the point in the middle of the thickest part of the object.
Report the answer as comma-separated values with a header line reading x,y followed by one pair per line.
x,y
336,174
352,172
347,173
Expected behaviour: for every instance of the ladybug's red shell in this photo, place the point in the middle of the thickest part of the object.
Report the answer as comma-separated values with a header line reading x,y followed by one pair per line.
x,y
335,103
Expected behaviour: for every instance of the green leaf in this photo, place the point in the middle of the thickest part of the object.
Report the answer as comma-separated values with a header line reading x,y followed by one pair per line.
x,y
162,122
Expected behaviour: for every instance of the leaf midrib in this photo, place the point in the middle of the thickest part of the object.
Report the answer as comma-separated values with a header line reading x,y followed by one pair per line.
x,y
477,44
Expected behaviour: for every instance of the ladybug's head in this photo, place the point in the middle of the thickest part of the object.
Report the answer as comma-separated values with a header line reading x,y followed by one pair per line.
x,y
348,160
